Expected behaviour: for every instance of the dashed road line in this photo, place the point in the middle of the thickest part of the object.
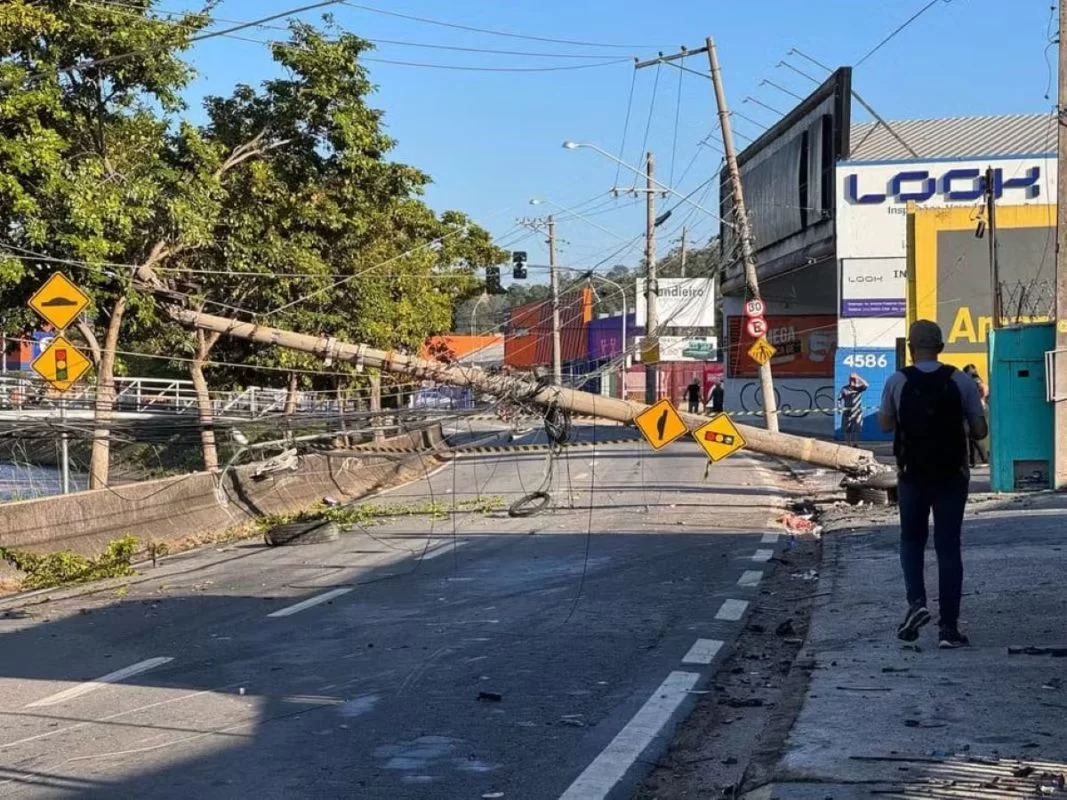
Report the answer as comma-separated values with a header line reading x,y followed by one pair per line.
x,y
763,555
769,538
608,768
750,577
91,686
326,597
732,610
703,651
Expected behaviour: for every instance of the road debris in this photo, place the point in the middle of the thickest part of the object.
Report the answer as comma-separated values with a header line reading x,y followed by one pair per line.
x,y
1054,650
490,697
800,523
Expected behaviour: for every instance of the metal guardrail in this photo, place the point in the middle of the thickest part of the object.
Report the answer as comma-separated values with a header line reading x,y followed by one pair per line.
x,y
158,396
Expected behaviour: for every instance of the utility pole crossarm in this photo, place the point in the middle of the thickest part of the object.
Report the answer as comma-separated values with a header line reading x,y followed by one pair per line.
x,y
662,59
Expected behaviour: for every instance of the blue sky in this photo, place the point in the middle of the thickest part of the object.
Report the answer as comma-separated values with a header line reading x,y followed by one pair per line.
x,y
491,140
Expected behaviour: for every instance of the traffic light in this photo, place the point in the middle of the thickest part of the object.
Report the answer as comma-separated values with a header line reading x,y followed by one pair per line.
x,y
61,365
492,281
518,265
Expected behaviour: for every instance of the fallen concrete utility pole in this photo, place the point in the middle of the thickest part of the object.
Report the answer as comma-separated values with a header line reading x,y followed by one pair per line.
x,y
797,448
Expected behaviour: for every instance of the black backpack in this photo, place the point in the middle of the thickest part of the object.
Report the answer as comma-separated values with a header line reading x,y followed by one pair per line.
x,y
930,441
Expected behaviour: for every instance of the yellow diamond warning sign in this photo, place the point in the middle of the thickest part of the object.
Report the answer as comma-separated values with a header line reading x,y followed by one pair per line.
x,y
660,424
59,301
719,438
61,364
761,351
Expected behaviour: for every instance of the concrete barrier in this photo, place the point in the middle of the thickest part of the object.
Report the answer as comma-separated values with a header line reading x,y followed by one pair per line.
x,y
200,504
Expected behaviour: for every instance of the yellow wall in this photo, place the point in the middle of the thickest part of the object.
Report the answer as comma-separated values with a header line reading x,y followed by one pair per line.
x,y
923,281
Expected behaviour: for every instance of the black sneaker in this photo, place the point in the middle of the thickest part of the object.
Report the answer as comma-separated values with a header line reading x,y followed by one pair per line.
x,y
951,638
918,615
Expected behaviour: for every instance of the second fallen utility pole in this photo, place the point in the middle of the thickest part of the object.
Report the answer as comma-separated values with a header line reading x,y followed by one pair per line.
x,y
744,229
651,289
553,272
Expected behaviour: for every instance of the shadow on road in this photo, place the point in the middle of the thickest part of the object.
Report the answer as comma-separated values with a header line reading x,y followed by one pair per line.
x,y
373,693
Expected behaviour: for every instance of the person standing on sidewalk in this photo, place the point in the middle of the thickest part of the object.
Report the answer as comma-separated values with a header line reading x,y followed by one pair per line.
x,y
931,408
851,402
716,397
692,394
978,454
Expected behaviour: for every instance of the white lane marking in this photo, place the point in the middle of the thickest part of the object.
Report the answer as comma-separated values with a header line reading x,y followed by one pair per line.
x,y
99,683
750,577
769,538
763,555
443,549
732,610
702,652
608,768
318,599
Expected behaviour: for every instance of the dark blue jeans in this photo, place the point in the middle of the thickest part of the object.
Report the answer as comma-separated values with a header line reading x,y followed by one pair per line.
x,y
947,499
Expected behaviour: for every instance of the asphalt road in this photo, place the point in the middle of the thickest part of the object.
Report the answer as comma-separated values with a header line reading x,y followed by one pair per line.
x,y
453,658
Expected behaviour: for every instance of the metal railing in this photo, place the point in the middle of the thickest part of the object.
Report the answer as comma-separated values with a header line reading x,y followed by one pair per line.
x,y
158,396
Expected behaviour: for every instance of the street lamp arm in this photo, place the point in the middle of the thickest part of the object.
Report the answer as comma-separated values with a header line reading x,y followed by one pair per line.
x,y
579,145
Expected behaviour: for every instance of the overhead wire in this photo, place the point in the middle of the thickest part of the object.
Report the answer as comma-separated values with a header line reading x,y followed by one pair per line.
x,y
651,111
677,118
898,30
491,32
604,61
625,126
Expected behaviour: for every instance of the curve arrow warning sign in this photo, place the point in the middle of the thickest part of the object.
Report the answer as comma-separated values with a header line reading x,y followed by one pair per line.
x,y
660,424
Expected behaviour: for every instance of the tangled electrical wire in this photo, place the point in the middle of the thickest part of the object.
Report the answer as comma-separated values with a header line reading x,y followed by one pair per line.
x,y
557,422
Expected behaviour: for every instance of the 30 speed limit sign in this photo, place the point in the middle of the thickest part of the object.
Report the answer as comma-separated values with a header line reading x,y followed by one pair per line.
x,y
756,327
754,309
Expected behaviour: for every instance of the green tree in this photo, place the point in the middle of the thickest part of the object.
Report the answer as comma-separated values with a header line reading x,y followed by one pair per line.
x,y
89,101
324,234
284,190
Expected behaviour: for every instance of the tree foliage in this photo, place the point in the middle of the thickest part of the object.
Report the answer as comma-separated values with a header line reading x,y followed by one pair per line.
x,y
283,207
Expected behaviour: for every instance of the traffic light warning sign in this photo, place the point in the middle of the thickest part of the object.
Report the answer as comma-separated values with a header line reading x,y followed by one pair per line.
x,y
61,364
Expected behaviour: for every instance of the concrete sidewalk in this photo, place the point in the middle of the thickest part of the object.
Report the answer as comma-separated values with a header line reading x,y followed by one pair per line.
x,y
883,719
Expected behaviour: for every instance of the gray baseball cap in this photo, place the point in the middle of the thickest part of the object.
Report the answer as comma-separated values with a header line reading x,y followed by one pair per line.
x,y
925,335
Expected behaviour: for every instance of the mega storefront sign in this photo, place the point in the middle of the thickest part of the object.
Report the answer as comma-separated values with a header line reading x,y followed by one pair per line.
x,y
805,346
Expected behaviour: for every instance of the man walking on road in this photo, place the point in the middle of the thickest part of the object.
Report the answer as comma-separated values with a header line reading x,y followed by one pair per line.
x,y
932,408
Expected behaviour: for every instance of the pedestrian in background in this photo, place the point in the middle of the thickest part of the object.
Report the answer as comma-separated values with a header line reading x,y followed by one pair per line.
x,y
977,452
932,409
692,394
851,402
716,398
